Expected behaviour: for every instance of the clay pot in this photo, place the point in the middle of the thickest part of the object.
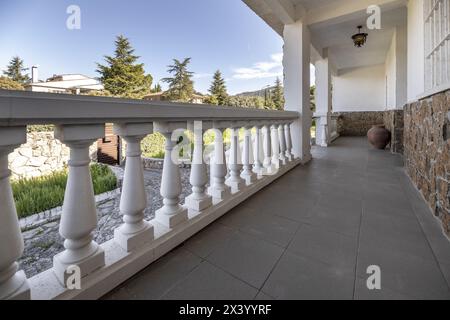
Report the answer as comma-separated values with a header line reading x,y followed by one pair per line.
x,y
379,136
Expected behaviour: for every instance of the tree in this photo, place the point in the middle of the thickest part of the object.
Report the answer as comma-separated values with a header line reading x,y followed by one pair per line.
x,y
122,75
278,95
15,69
218,89
181,86
312,97
157,88
10,84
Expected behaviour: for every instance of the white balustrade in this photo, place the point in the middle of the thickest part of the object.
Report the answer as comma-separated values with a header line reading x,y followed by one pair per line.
x,y
219,190
288,137
259,152
268,166
275,146
135,231
79,214
199,200
172,213
282,141
136,242
247,174
13,283
235,163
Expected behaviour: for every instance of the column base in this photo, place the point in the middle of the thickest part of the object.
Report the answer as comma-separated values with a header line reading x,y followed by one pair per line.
x,y
249,178
220,195
129,242
87,266
283,161
235,185
173,219
198,205
16,288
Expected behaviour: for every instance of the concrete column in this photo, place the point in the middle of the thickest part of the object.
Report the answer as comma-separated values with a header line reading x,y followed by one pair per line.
x,y
235,162
79,213
135,231
323,102
247,174
219,190
199,200
258,154
296,62
172,213
13,283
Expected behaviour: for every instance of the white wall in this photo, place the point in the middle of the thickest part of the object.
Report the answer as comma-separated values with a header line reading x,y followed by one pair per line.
x,y
391,74
416,64
360,89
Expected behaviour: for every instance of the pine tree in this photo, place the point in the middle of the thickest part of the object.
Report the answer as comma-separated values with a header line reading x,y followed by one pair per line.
x,y
181,86
15,69
278,95
157,88
122,75
218,89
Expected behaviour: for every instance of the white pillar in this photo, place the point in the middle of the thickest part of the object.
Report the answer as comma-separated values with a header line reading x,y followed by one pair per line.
x,y
219,190
247,174
296,63
79,213
235,162
172,213
287,134
323,102
13,283
199,200
275,146
135,231
267,163
259,153
282,141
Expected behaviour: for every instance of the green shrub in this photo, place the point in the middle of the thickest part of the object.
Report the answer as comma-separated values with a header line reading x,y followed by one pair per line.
x,y
153,146
35,195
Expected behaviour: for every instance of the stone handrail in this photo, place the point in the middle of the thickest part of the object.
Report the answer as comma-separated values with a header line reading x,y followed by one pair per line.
x,y
89,270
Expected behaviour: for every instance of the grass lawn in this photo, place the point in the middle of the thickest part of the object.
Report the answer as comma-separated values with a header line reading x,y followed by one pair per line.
x,y
35,195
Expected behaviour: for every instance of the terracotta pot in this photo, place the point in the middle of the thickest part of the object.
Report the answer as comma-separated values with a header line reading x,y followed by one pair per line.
x,y
379,136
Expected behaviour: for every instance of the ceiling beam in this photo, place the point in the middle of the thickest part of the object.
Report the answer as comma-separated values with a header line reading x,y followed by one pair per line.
x,y
345,10
284,10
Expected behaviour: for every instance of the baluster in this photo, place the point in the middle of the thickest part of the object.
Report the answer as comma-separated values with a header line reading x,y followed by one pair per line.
x,y
172,213
135,231
199,200
275,147
282,141
287,135
259,154
13,283
268,167
235,181
219,190
247,174
79,214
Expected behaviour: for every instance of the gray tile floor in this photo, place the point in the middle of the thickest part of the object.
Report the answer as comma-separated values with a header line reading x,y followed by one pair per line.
x,y
312,235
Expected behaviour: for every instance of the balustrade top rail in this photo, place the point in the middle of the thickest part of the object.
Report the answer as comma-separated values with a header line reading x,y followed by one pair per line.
x,y
24,108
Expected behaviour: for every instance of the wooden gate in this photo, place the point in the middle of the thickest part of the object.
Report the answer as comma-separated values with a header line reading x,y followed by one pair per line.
x,y
108,148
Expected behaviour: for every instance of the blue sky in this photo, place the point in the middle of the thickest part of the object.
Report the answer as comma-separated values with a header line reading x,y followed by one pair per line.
x,y
216,34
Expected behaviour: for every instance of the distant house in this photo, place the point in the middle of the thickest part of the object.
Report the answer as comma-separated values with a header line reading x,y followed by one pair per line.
x,y
64,83
159,96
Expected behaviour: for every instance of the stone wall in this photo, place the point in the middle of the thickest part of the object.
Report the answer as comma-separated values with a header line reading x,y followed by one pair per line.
x,y
394,122
357,123
427,152
40,155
